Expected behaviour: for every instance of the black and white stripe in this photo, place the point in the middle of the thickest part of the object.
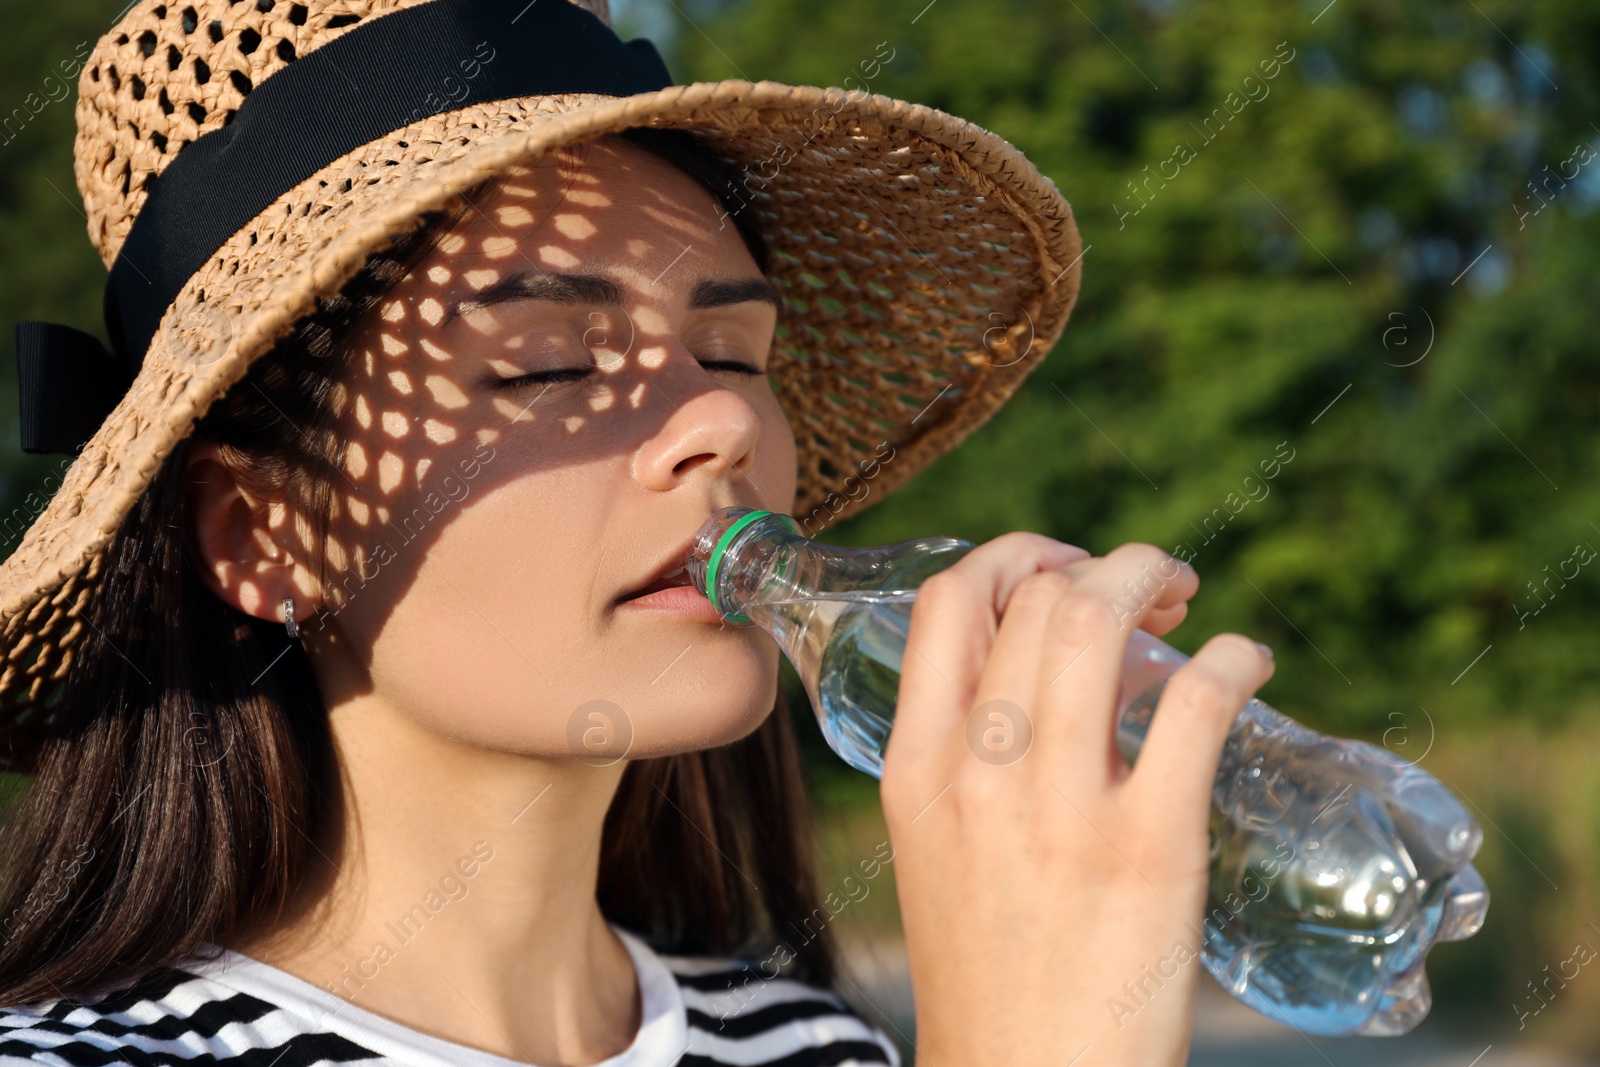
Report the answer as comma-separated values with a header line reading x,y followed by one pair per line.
x,y
698,1012
737,1015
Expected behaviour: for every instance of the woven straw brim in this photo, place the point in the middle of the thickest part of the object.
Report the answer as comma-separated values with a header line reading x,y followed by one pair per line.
x,y
926,266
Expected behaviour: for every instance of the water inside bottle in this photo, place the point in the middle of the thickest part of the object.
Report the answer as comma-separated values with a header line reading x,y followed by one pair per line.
x,y
1316,905
862,634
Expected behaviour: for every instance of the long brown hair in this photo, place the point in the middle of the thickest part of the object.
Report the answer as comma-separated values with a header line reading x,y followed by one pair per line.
x,y
181,804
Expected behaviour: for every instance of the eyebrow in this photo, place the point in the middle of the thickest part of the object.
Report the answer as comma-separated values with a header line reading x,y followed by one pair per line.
x,y
577,289
723,294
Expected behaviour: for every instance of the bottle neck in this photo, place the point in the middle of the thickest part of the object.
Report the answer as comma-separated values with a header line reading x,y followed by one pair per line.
x,y
736,552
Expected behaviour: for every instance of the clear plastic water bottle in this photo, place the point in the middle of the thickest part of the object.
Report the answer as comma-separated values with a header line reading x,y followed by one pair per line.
x,y
1335,866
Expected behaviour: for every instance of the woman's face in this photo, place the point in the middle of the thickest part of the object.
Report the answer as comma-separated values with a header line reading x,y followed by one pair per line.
x,y
541,415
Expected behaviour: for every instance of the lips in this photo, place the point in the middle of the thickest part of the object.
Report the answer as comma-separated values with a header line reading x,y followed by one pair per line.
x,y
671,571
668,594
678,577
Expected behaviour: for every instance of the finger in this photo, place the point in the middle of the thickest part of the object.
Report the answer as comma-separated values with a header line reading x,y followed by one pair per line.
x,y
1006,700
1169,598
1153,583
1178,762
953,622
1162,621
1083,644
1005,703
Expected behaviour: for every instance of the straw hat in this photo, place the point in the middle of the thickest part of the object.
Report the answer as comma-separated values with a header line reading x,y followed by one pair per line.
x,y
239,160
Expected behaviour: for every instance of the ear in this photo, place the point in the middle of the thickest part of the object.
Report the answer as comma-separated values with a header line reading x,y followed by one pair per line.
x,y
242,542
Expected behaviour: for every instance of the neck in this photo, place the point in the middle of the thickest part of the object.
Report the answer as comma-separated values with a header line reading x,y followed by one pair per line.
x,y
456,894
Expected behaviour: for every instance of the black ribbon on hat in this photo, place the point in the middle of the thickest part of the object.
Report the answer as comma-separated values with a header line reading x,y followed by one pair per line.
x,y
390,71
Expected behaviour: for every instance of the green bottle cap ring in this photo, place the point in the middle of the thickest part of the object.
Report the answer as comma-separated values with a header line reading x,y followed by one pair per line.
x,y
715,562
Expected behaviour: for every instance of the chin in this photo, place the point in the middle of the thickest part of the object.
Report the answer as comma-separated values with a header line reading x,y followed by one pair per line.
x,y
719,720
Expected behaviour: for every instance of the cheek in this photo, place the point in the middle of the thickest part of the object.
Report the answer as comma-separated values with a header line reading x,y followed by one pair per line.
x,y
776,456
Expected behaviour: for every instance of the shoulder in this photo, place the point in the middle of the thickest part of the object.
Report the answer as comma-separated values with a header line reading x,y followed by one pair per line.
x,y
740,1011
169,1017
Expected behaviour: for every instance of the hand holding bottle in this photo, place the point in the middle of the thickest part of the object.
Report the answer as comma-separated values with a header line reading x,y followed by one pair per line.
x,y
1033,890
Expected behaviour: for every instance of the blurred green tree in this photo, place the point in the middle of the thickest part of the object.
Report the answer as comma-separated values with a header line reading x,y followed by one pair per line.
x,y
1311,233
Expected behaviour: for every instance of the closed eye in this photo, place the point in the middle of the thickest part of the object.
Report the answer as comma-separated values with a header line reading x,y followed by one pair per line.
x,y
543,377
573,374
731,364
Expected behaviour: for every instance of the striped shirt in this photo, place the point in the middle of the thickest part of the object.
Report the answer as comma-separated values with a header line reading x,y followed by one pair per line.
x,y
696,1011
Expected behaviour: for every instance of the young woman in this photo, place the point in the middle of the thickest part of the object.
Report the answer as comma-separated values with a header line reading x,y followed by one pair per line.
x,y
386,732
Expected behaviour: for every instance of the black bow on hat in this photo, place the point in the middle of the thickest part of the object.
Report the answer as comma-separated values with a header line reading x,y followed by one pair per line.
x,y
372,79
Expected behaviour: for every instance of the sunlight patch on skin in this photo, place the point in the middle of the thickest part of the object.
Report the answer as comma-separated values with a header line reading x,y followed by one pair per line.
x,y
337,557
573,423
439,275
359,512
250,598
670,218
603,399
394,311
589,198
263,540
480,279
438,432
359,556
355,459
499,246
482,320
363,412
431,311
390,469
573,226
422,469
649,280
636,397
452,243
400,382
445,392
637,247
512,411
304,533
558,257
652,357
514,215
392,345
434,350
650,320
395,424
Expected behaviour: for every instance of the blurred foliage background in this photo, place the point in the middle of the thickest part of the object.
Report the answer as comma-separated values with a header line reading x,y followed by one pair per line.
x,y
1352,234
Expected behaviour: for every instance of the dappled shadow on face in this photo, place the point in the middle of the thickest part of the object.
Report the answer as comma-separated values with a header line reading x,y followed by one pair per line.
x,y
600,257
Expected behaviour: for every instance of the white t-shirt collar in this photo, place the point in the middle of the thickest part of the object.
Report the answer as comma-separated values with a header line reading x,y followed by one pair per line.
x,y
660,1042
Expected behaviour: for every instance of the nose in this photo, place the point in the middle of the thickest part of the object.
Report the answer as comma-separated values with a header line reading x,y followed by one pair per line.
x,y
710,431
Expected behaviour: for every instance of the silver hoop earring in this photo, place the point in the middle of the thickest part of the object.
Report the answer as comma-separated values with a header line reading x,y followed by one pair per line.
x,y
288,617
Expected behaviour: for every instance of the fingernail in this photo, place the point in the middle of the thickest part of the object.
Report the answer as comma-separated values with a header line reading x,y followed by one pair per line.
x,y
1266,650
